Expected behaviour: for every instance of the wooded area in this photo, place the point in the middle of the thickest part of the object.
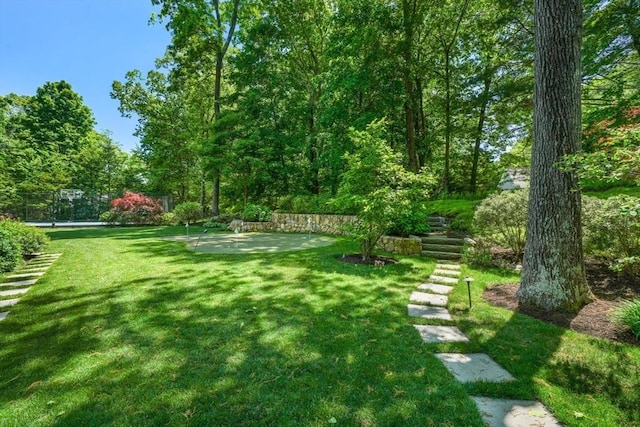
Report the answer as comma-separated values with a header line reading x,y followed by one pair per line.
x,y
253,101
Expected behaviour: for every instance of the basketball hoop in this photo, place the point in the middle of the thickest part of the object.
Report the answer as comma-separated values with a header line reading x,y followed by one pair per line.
x,y
71,194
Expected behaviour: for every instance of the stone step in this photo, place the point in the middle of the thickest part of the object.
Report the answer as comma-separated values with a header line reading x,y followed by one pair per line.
x,y
442,240
435,288
9,302
13,292
19,283
508,412
469,368
428,312
29,274
442,279
28,269
46,256
441,248
445,266
435,334
444,272
436,219
442,255
3,315
430,299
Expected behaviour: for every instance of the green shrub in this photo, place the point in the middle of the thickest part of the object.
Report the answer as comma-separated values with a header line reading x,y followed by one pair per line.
x,y
612,226
478,253
311,204
110,218
31,239
628,314
412,220
225,217
628,265
215,226
188,212
256,213
502,219
169,218
10,251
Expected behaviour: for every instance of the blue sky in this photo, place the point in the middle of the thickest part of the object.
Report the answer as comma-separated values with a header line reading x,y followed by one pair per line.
x,y
88,43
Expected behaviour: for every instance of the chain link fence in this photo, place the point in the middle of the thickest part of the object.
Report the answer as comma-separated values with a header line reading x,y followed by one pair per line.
x,y
50,207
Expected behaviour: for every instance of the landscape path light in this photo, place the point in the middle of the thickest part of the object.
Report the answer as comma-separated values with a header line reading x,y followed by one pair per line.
x,y
469,280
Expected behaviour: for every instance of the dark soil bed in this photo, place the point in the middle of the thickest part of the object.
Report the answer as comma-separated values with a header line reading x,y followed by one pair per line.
x,y
594,319
378,260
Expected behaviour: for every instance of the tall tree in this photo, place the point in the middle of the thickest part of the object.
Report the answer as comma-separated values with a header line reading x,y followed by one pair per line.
x,y
199,29
553,275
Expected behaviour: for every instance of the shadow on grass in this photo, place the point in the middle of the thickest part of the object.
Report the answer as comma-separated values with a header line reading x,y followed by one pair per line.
x,y
569,372
285,339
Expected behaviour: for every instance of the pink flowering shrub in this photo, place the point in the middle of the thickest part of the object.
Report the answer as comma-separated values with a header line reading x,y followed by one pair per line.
x,y
136,208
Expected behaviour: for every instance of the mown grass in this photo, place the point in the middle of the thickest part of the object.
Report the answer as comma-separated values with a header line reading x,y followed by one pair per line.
x,y
129,329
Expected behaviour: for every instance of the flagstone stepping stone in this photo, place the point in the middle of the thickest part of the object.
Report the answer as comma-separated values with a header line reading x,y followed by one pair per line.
x,y
514,413
428,312
435,334
9,302
448,266
443,272
32,270
3,315
20,283
43,263
41,256
468,368
442,279
435,288
431,299
13,292
30,274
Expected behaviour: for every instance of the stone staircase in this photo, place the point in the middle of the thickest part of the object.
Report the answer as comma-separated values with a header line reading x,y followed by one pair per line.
x,y
437,244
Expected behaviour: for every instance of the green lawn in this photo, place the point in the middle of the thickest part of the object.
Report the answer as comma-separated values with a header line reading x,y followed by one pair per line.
x,y
129,329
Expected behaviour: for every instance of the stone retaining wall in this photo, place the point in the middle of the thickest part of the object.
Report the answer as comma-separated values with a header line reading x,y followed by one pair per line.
x,y
401,245
298,223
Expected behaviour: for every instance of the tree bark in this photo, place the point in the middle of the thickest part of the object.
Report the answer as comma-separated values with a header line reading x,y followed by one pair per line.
x,y
553,276
479,129
217,89
446,180
408,10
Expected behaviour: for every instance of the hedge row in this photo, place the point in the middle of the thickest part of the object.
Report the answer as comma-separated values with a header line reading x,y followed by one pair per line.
x,y
18,240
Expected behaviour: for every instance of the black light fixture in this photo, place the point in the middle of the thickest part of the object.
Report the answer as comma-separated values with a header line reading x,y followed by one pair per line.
x,y
468,280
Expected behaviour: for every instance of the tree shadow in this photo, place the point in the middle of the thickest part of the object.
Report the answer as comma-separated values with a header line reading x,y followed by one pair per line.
x,y
547,360
301,339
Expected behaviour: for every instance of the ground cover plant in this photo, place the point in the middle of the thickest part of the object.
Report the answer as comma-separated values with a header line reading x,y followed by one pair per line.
x,y
129,329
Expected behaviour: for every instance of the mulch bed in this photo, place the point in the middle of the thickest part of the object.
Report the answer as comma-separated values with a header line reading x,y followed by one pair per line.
x,y
377,260
594,318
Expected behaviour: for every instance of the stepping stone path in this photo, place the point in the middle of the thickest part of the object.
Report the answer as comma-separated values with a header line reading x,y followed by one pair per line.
x,y
430,303
427,312
31,272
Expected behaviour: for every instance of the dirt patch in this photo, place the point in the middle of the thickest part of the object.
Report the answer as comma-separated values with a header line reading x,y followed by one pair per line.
x,y
377,260
594,318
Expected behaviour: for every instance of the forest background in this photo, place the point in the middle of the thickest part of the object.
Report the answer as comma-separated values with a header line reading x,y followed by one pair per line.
x,y
254,102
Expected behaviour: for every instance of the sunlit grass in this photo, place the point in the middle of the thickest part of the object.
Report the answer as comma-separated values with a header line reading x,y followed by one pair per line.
x,y
130,329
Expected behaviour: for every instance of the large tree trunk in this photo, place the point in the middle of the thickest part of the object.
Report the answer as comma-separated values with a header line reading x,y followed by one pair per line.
x,y
553,276
479,132
409,9
217,85
446,180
